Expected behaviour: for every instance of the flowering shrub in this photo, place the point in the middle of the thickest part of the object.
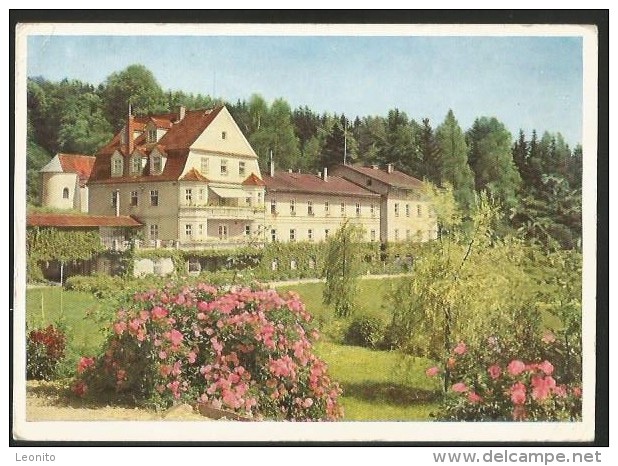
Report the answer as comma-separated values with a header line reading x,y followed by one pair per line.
x,y
247,351
484,386
44,351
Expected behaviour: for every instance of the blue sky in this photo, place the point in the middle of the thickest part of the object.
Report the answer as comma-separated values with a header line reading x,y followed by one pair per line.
x,y
526,82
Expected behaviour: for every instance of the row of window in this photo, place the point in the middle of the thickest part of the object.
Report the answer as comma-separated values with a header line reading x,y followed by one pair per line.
x,y
134,198
310,234
327,209
156,166
201,228
419,210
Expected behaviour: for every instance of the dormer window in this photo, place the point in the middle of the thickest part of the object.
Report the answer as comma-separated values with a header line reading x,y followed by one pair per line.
x,y
151,135
155,167
117,165
223,135
136,165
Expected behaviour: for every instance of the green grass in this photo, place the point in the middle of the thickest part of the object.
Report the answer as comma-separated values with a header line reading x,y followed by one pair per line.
x,y
380,385
76,316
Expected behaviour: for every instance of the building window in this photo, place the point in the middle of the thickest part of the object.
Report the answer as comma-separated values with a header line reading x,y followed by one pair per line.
x,y
223,135
309,207
259,198
372,235
202,194
310,234
408,235
152,134
204,165
326,208
396,209
154,198
223,167
136,165
241,168
222,232
343,209
396,234
114,199
188,230
117,166
326,233
154,231
419,210
292,207
200,229
358,209
273,235
407,210
65,193
156,164
188,195
292,234
247,230
372,210
133,198
273,206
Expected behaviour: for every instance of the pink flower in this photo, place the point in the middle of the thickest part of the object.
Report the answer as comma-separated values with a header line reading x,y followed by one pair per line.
x,y
459,387
516,367
542,387
494,371
162,354
577,391
158,313
560,391
80,388
518,393
191,357
307,403
432,371
547,367
175,337
450,363
460,349
144,315
474,397
84,363
120,327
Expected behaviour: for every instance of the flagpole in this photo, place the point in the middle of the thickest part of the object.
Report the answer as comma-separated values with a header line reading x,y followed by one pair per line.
x,y
345,139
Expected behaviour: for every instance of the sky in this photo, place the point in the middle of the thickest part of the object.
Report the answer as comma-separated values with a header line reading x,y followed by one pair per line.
x,y
526,82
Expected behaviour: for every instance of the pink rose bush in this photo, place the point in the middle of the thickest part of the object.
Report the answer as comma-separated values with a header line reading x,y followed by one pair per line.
x,y
242,350
488,384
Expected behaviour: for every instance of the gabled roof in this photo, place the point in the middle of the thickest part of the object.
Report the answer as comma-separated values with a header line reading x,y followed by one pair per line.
x,y
194,175
307,183
80,221
79,164
175,145
395,179
253,180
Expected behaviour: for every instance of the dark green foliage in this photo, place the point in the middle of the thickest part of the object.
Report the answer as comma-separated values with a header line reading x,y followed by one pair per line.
x,y
44,353
366,331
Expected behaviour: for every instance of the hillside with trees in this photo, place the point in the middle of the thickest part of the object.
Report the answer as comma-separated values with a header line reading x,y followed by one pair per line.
x,y
536,180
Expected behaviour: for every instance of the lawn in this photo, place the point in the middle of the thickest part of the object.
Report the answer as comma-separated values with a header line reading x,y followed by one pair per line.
x,y
377,385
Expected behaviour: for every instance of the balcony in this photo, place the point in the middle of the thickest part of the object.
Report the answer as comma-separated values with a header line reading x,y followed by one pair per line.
x,y
222,212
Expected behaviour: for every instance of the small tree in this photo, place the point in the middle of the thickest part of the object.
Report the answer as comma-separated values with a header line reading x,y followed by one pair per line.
x,y
342,268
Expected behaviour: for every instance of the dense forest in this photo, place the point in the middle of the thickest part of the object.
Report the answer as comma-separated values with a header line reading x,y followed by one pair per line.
x,y
536,179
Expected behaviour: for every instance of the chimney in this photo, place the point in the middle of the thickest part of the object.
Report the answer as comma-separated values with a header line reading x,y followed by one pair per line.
x,y
272,165
130,141
182,110
319,174
389,168
325,178
375,167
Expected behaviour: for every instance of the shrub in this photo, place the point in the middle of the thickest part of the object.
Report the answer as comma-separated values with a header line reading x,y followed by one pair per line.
x,y
483,386
365,331
44,352
244,350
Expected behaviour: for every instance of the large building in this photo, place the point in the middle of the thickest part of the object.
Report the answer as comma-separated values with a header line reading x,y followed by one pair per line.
x,y
193,181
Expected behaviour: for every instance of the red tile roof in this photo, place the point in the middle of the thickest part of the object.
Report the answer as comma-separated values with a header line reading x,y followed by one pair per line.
x,y
253,180
80,221
307,183
396,178
77,163
175,144
161,123
194,175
